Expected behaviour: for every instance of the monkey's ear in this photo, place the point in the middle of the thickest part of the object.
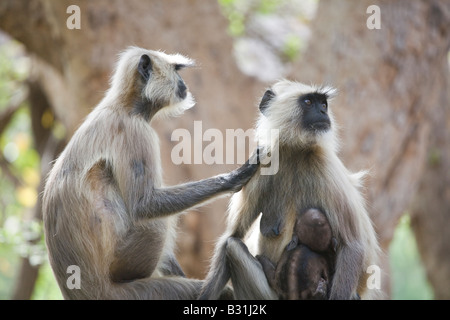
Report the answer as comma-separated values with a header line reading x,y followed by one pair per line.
x,y
268,95
145,67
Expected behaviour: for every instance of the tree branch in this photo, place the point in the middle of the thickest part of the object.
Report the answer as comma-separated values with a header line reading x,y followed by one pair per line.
x,y
14,105
27,21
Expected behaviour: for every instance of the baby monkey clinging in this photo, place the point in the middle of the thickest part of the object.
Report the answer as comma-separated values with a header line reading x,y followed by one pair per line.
x,y
306,266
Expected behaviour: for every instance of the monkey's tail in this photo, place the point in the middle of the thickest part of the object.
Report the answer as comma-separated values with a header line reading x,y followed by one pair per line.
x,y
165,288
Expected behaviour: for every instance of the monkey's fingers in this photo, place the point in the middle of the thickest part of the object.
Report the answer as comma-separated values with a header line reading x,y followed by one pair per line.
x,y
254,159
321,290
292,244
239,177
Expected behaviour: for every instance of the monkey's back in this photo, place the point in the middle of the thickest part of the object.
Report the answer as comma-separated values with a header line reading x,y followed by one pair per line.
x,y
86,204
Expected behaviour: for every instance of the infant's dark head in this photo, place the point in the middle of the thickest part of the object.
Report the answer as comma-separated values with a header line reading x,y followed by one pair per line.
x,y
313,230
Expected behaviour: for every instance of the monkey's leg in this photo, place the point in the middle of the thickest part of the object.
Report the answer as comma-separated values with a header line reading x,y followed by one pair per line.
x,y
173,288
247,275
165,288
347,271
218,275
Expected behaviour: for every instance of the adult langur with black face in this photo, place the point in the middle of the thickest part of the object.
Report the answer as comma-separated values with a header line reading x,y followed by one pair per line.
x,y
105,208
310,175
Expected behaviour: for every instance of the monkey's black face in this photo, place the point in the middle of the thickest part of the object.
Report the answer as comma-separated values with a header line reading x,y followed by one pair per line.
x,y
181,90
315,112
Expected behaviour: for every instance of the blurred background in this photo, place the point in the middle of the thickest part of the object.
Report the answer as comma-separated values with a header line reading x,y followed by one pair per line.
x,y
393,110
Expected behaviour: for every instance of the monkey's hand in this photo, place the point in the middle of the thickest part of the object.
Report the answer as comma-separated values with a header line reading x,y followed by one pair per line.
x,y
238,178
292,244
269,270
321,291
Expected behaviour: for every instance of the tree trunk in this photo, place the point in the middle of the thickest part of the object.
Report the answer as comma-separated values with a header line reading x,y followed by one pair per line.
x,y
48,148
430,213
392,108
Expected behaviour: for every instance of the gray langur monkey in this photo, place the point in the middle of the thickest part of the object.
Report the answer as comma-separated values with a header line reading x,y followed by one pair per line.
x,y
310,175
105,207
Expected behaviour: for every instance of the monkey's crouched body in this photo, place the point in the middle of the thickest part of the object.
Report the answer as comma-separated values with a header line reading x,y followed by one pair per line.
x,y
105,208
310,175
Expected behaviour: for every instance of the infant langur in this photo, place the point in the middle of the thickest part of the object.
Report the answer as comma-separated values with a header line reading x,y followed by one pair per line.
x,y
306,266
105,207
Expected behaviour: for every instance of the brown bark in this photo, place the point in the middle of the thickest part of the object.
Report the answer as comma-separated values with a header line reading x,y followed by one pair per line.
x,y
392,83
26,280
430,211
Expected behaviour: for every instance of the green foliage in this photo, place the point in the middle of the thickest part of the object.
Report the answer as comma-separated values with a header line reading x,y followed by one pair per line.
x,y
407,273
46,286
236,18
292,47
269,6
237,12
434,157
8,269
19,236
11,74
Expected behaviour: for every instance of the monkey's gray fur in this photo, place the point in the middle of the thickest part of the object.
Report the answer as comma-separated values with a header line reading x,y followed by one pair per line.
x,y
310,176
105,207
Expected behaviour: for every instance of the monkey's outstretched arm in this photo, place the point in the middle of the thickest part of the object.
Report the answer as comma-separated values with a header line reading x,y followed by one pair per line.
x,y
178,198
166,201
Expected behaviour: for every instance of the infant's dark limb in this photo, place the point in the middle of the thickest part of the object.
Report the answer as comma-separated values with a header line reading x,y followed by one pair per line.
x,y
269,270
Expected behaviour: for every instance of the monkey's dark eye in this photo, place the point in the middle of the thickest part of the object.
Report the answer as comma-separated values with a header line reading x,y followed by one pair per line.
x,y
324,106
179,66
307,102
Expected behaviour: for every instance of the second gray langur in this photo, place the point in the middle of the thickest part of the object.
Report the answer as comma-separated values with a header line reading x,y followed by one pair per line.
x,y
310,175
105,207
